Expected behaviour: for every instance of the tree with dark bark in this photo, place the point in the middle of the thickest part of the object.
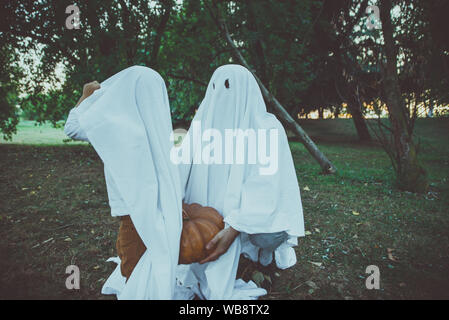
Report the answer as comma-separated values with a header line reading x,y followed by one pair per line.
x,y
339,69
411,176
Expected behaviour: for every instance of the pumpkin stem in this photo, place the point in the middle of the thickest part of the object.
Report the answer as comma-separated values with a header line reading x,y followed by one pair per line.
x,y
185,215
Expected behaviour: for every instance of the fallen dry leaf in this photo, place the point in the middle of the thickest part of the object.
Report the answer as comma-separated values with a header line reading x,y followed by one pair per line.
x,y
318,264
312,285
390,254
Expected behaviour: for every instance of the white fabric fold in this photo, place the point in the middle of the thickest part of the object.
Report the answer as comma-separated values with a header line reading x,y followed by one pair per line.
x,y
73,130
250,202
128,123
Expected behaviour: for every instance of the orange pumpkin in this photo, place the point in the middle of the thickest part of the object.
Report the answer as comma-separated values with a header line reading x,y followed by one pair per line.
x,y
199,225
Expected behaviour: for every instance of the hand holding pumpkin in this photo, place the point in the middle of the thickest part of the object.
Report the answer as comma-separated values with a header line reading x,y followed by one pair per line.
x,y
203,238
220,244
200,226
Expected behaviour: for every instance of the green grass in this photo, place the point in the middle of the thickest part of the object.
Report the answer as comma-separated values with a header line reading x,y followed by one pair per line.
x,y
57,192
31,133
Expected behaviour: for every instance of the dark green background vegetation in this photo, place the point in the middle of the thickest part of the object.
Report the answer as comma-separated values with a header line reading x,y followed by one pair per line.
x,y
386,204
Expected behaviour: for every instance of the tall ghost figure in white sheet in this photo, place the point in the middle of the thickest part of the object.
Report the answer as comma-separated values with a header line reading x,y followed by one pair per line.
x,y
250,202
128,123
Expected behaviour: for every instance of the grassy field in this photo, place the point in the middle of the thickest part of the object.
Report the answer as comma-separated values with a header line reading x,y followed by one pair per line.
x,y
54,213
29,132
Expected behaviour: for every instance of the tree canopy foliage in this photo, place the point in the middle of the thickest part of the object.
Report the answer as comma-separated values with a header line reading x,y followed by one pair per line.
x,y
311,55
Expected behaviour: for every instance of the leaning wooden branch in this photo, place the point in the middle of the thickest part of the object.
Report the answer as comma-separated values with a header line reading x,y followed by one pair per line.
x,y
325,164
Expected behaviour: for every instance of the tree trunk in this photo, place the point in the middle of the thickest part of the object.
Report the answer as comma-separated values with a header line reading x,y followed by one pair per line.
x,y
410,175
321,113
359,121
152,62
337,111
255,45
430,112
353,107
